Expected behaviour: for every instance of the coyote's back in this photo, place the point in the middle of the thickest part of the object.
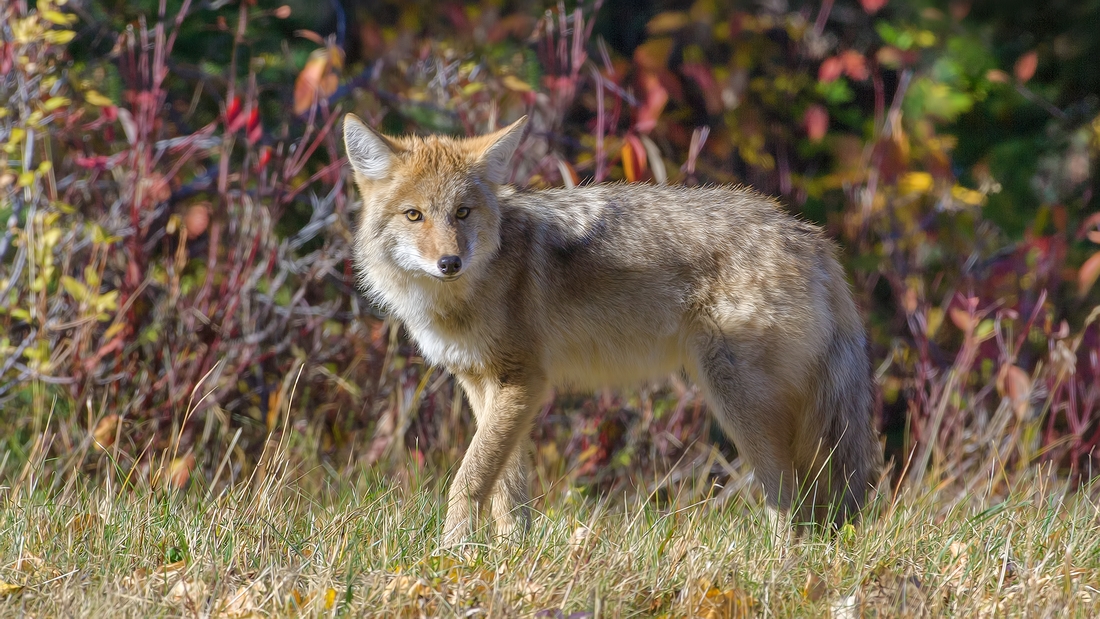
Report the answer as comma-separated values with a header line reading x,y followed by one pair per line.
x,y
518,291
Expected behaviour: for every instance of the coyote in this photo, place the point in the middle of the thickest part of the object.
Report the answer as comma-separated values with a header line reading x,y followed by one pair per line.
x,y
515,292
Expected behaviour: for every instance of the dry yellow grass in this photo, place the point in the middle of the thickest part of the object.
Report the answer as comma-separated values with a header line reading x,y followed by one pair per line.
x,y
310,542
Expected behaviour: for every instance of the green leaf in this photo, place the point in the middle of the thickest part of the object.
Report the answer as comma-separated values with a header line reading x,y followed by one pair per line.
x,y
75,289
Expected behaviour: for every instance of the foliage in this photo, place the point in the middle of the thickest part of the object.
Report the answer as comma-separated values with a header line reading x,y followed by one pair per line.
x,y
176,278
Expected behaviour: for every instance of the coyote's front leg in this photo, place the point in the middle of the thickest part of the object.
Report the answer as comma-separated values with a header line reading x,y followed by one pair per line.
x,y
504,410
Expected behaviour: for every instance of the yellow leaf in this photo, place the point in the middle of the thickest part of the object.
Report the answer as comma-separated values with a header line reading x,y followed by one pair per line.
x,y
107,302
81,523
113,330
75,289
668,21
513,83
53,103
330,598
97,99
984,330
967,196
848,534
925,38
630,164
915,182
8,589
60,37
58,18
934,320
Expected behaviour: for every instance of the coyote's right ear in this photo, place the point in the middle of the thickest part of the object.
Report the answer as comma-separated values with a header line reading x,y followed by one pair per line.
x,y
370,153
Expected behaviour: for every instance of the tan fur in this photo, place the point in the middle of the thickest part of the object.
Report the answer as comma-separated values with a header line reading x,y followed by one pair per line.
x,y
611,285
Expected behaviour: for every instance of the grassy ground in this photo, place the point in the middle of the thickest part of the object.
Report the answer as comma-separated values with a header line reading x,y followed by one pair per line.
x,y
306,541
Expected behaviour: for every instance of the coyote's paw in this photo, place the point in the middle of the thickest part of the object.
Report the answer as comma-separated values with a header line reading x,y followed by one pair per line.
x,y
459,526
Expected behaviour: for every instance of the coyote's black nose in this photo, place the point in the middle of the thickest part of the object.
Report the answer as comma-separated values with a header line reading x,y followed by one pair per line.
x,y
450,265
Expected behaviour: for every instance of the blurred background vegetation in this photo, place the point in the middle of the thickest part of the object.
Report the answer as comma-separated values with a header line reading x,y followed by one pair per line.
x,y
175,272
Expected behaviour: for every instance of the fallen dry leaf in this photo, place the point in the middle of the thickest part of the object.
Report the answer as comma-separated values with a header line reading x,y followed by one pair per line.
x,y
187,592
815,588
105,431
845,608
178,472
82,522
581,538
406,586
244,602
703,599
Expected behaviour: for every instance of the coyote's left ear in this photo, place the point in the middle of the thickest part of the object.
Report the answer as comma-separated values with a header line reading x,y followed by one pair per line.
x,y
369,152
497,150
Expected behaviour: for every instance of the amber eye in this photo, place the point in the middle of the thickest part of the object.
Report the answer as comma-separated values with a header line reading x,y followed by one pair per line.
x,y
462,212
414,215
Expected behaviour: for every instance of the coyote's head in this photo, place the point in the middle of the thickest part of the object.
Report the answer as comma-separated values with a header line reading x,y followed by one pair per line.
x,y
429,204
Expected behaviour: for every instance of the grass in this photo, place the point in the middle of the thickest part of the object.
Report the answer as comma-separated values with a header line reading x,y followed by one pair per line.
x,y
306,540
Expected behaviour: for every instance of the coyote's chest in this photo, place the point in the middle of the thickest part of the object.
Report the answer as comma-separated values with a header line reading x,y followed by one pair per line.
x,y
455,349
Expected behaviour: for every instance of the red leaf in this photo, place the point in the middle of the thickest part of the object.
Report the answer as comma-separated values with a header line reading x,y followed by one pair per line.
x,y
232,109
652,104
855,65
962,319
196,219
255,134
1088,273
318,78
1026,65
872,6
253,119
1015,383
830,69
702,76
816,121
265,157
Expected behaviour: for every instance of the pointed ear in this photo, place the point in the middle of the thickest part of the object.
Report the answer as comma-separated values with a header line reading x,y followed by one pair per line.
x,y
498,149
369,152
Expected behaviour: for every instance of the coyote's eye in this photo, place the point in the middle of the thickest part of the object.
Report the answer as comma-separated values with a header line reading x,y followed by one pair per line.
x,y
414,215
462,212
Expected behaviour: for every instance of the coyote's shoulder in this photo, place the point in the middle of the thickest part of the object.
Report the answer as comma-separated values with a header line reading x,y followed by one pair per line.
x,y
516,291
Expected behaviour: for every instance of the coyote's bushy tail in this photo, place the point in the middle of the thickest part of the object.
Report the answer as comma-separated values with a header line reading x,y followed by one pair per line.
x,y
838,457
